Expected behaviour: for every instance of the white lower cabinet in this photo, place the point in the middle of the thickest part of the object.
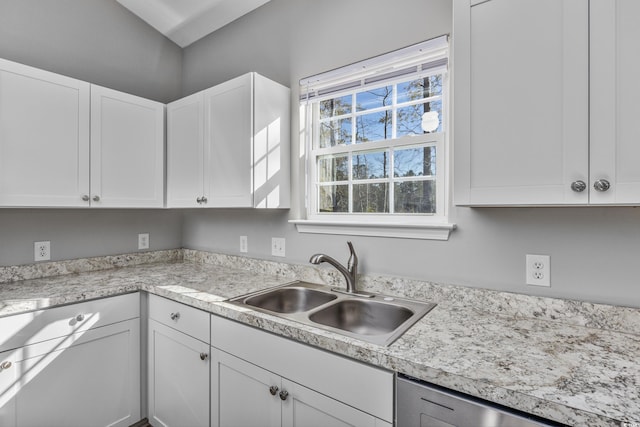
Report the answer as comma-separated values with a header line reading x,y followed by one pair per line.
x,y
178,364
259,379
90,377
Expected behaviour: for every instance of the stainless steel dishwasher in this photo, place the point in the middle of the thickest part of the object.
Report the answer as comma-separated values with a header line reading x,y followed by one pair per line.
x,y
420,404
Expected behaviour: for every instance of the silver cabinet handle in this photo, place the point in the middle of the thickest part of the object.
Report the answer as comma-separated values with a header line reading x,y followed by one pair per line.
x,y
85,198
283,395
80,317
96,198
175,316
273,390
204,356
5,365
602,185
578,186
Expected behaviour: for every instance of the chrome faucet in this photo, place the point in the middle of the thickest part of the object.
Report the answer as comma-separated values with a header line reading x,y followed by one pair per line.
x,y
350,273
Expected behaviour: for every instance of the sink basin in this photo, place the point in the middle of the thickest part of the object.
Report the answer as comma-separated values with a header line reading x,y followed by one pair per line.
x,y
290,299
364,317
374,318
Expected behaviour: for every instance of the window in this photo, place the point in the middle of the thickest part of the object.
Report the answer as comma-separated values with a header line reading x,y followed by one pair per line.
x,y
375,134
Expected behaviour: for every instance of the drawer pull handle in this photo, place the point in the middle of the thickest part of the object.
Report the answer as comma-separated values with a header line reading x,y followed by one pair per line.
x,y
175,316
284,394
80,317
273,390
5,365
204,356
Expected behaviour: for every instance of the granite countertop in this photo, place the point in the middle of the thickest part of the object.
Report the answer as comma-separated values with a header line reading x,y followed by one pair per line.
x,y
564,371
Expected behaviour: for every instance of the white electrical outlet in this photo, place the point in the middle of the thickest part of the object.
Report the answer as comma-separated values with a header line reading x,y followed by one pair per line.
x,y
538,270
277,246
244,246
41,251
143,241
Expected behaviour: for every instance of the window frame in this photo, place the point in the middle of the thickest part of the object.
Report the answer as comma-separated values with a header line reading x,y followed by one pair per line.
x,y
403,225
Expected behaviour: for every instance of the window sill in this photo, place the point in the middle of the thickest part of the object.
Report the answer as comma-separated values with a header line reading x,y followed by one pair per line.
x,y
396,230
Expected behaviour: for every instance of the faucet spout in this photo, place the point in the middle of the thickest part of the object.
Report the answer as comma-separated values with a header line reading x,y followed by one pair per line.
x,y
350,272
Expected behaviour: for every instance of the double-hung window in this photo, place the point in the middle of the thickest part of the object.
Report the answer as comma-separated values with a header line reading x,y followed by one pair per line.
x,y
375,136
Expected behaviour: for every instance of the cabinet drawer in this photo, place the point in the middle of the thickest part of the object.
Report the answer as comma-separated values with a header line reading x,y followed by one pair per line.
x,y
37,326
181,317
357,384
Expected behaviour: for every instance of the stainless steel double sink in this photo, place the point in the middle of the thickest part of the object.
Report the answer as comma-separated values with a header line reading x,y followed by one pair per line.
x,y
374,318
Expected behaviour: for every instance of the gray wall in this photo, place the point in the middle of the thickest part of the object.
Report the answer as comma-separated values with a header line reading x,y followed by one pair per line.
x,y
98,41
592,249
101,42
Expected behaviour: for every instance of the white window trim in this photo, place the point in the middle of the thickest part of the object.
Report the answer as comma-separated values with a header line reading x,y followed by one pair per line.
x,y
410,226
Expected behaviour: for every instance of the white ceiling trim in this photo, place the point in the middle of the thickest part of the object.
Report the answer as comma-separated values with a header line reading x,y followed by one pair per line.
x,y
186,21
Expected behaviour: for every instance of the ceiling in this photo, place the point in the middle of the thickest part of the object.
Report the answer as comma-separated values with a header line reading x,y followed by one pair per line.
x,y
185,21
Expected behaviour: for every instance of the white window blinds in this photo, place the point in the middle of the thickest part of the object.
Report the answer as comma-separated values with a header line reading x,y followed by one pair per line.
x,y
420,59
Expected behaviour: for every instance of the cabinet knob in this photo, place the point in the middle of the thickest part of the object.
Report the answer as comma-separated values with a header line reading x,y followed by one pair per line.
x,y
175,316
283,395
80,317
204,199
273,390
578,186
204,356
85,198
96,198
199,200
602,185
5,365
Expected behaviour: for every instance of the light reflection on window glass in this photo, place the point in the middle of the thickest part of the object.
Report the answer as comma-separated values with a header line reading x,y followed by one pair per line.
x,y
335,132
409,121
333,168
333,198
335,107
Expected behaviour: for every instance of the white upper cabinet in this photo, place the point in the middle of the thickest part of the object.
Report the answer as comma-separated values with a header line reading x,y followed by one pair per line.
x,y
67,143
127,150
228,146
615,110
185,151
44,138
521,101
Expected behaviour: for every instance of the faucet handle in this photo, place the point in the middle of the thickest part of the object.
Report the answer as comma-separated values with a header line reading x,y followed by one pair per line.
x,y
352,264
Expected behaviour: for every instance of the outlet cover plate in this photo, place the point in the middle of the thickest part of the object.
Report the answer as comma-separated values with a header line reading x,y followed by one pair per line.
x,y
143,241
42,251
277,246
244,245
538,270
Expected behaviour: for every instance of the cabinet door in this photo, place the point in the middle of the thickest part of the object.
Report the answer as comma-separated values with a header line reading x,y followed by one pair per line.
x,y
229,143
127,150
305,407
615,89
44,138
178,378
185,151
241,393
89,378
521,101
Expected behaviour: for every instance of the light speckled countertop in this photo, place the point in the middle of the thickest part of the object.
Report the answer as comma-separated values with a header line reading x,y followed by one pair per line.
x,y
581,370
